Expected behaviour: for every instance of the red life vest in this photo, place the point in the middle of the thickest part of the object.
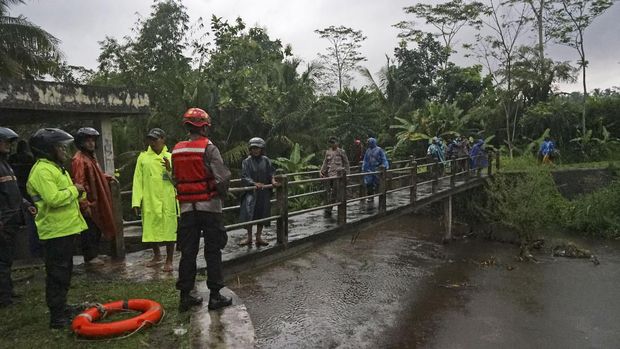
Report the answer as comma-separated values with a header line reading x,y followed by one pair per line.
x,y
194,180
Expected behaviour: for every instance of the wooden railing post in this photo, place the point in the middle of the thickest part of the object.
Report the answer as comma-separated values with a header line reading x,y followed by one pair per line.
x,y
362,187
447,214
282,202
478,166
413,191
382,189
341,191
435,182
468,168
118,243
453,170
497,161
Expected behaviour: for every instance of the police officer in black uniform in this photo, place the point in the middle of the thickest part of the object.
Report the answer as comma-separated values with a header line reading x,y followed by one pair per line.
x,y
12,205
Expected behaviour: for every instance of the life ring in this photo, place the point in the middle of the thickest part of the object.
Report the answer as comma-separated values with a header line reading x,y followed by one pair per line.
x,y
84,324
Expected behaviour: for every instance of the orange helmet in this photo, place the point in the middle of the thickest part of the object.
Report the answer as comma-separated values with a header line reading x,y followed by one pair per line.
x,y
196,117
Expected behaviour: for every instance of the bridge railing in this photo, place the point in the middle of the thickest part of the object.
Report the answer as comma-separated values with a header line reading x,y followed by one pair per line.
x,y
345,188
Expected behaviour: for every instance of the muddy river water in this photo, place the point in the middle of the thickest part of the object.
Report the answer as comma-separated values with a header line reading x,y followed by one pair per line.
x,y
397,286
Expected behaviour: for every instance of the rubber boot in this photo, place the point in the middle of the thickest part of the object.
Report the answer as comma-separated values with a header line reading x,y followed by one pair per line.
x,y
59,319
217,301
188,300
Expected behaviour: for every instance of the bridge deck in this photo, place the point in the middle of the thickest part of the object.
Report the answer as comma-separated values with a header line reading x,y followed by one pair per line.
x,y
312,224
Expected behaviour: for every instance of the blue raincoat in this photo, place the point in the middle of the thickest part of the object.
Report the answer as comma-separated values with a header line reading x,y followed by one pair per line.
x,y
478,156
374,157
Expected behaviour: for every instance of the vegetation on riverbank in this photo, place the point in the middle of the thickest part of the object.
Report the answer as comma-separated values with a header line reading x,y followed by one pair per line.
x,y
530,163
532,206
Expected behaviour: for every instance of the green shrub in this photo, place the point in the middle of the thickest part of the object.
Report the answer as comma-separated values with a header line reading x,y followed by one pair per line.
x,y
518,163
597,214
529,203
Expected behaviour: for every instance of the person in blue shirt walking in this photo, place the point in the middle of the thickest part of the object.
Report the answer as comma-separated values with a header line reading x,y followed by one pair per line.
x,y
546,151
374,157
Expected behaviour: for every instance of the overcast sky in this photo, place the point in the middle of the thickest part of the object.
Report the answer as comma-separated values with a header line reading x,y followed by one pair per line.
x,y
80,24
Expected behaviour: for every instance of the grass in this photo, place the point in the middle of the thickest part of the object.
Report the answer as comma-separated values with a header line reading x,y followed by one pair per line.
x,y
25,324
526,163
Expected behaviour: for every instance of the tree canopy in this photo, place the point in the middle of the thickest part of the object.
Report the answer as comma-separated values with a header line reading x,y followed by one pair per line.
x,y
26,50
253,84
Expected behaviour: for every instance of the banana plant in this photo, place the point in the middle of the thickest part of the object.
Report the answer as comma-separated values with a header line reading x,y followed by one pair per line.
x,y
593,147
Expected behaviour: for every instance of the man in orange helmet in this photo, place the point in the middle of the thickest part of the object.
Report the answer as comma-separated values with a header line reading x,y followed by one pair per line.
x,y
201,180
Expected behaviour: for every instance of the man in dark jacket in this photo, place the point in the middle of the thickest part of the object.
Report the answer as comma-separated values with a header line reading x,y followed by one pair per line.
x,y
97,206
11,215
256,171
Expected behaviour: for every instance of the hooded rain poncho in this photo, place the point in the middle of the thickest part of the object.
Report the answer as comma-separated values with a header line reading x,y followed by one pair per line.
x,y
154,193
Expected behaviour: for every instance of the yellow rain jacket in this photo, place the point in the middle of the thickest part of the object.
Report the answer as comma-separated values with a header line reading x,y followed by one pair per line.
x,y
56,199
154,193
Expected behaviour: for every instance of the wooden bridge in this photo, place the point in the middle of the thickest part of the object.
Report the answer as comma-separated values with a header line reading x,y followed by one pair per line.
x,y
406,186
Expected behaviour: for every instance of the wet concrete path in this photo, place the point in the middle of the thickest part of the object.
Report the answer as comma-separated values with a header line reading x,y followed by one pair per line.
x,y
397,287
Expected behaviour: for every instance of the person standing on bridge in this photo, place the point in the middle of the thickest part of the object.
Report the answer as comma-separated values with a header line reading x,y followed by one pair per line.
x,y
11,216
201,180
436,153
154,196
97,206
58,219
256,171
462,153
335,160
478,156
374,157
358,152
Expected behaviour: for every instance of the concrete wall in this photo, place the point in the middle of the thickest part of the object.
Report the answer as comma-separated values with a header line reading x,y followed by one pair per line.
x,y
574,182
23,101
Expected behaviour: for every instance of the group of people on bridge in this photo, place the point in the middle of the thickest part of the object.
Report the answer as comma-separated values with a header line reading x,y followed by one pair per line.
x,y
464,151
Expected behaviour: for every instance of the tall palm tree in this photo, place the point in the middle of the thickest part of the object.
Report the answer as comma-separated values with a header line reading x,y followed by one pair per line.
x,y
26,50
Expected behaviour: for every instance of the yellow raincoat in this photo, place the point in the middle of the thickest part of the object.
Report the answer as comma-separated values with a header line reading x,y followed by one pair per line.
x,y
154,193
56,198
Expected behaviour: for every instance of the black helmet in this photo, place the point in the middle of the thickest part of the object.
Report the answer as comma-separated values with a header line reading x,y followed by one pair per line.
x,y
6,134
256,142
156,133
44,140
84,133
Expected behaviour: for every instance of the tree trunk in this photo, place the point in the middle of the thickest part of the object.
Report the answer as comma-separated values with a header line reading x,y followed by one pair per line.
x,y
585,98
585,90
541,44
508,135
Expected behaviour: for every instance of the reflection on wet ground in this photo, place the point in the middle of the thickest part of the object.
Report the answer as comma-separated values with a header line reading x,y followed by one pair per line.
x,y
342,293
397,287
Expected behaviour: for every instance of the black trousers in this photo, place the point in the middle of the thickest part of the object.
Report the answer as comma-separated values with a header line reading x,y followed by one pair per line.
x,y
7,252
90,239
192,226
58,269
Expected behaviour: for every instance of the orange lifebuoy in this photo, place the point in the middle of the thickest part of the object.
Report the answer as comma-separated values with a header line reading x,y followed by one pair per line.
x,y
84,324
